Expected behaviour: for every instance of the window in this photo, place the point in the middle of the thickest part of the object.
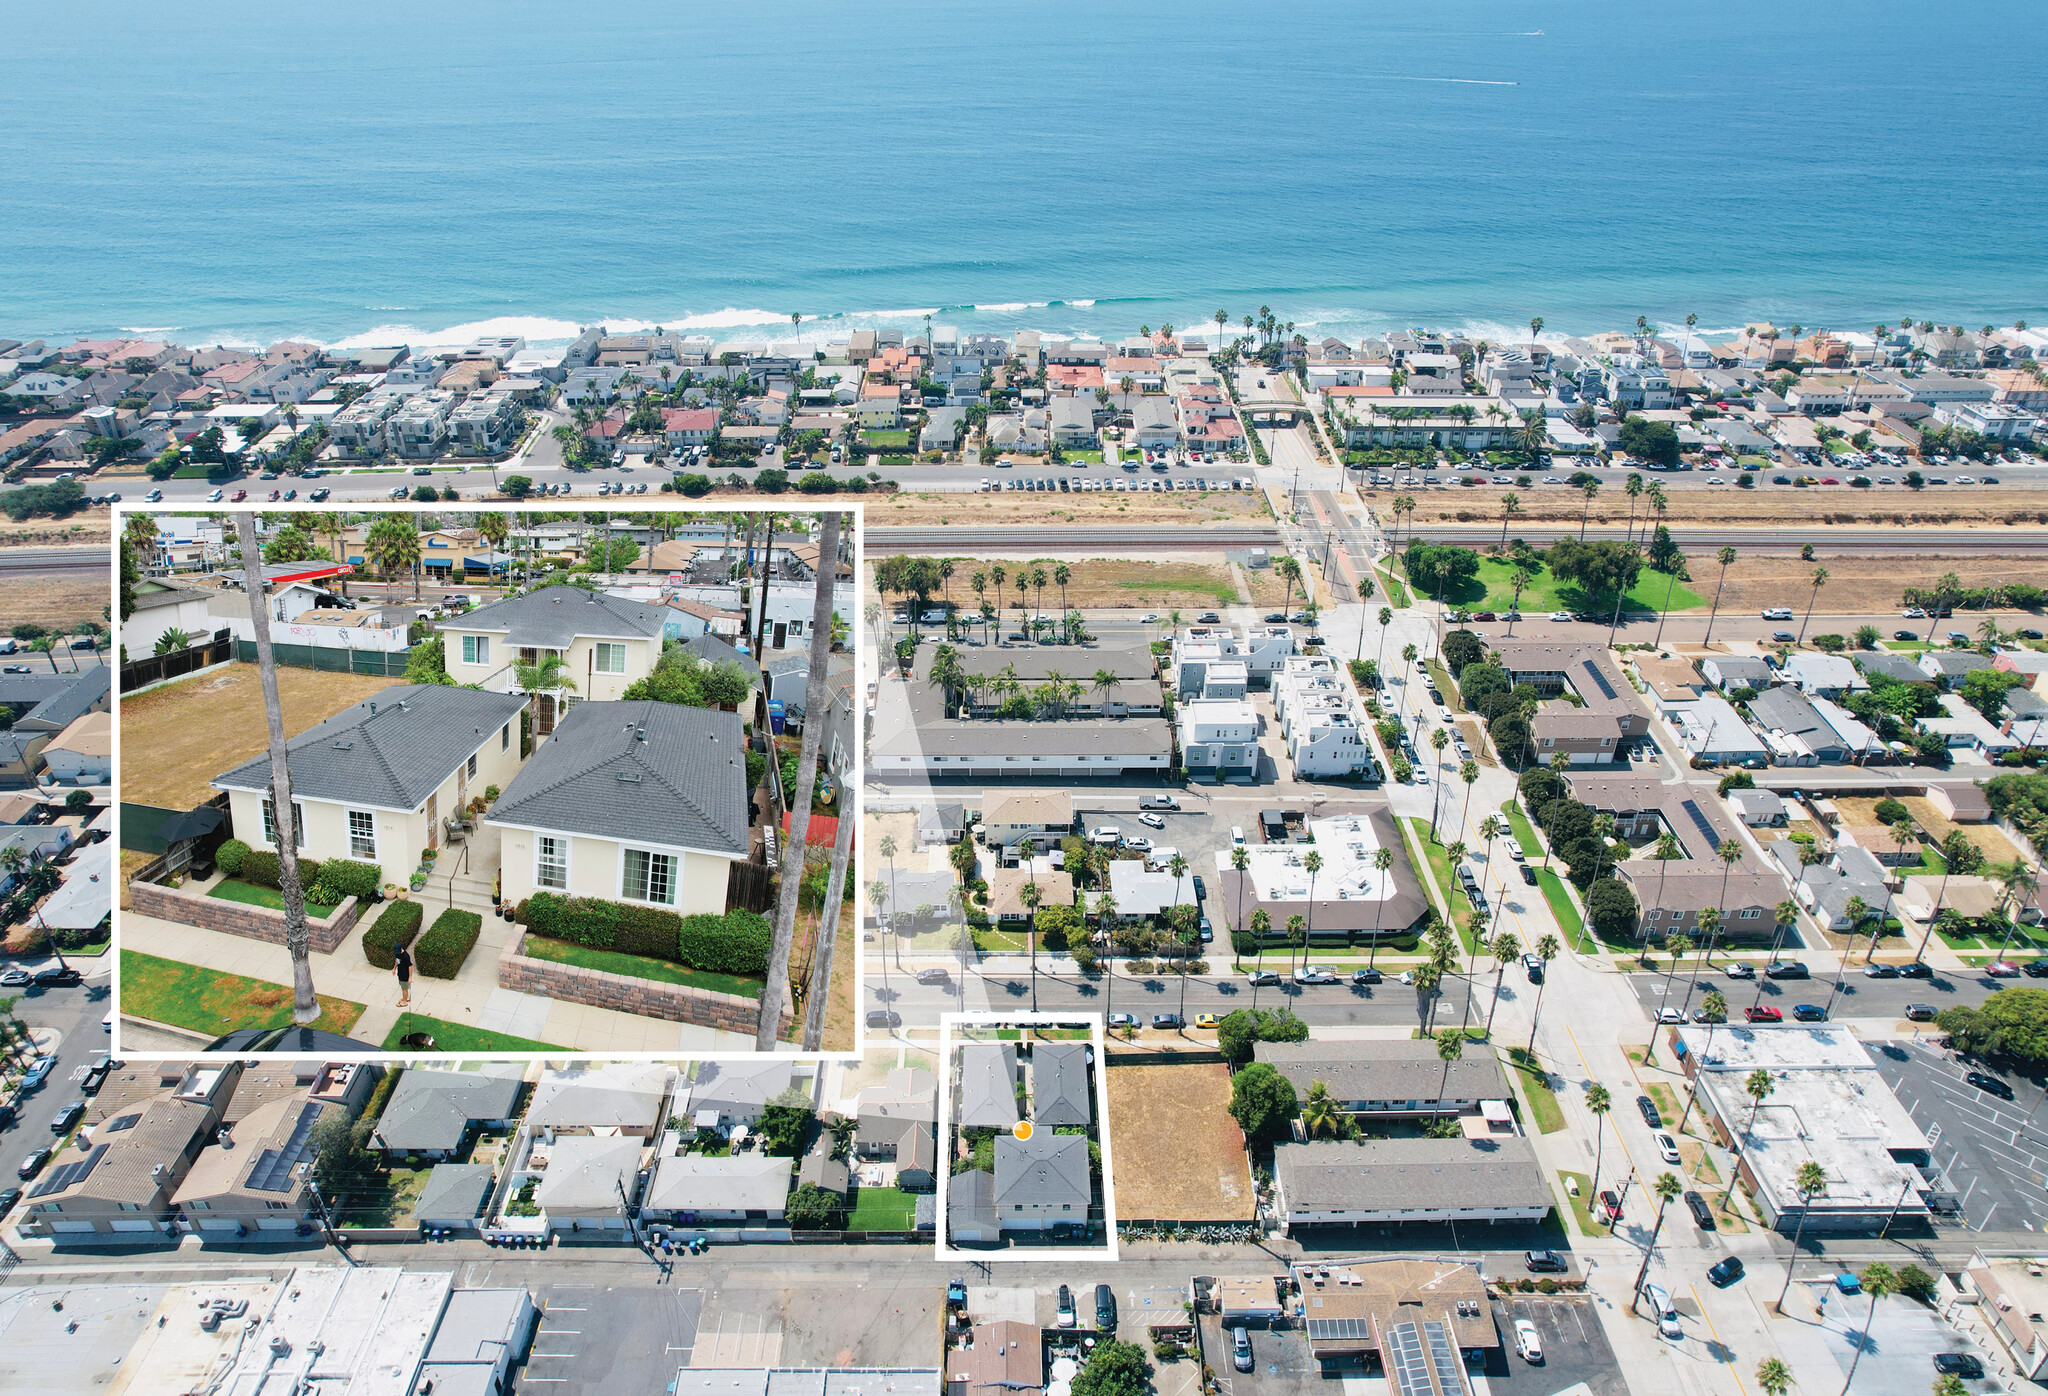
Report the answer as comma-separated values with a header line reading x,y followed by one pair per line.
x,y
472,763
127,1206
275,1206
608,658
270,824
1749,914
362,835
505,737
197,1206
1653,915
650,877
551,861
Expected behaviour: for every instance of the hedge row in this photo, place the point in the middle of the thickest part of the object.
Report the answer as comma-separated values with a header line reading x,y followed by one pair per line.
x,y
259,865
344,877
735,943
398,924
440,952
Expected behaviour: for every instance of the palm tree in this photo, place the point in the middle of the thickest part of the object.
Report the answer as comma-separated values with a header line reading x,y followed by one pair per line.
x,y
1382,863
1469,773
1633,488
284,814
547,675
1547,949
1809,1182
393,544
1386,619
1506,949
1289,571
1598,1103
1313,863
1727,556
1297,938
1667,1187
1438,740
1105,926
1408,654
1521,579
1262,925
1773,1377
1222,318
1510,505
1679,944
1319,1112
1038,580
1590,488
1879,1280
1820,579
1450,1046
1757,1085
1061,575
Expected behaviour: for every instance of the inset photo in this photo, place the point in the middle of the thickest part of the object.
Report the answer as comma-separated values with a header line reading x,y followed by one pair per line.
x,y
485,781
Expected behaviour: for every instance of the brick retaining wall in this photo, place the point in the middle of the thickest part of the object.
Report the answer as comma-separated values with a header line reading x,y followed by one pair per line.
x,y
647,998
238,918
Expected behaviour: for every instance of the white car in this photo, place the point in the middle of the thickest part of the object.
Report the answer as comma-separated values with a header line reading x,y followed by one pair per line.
x,y
1152,821
1528,1345
1149,618
1560,615
1671,1015
1778,613
1315,974
1667,1147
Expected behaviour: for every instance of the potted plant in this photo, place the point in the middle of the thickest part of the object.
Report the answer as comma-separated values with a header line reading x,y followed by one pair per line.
x,y
428,855
419,881
497,889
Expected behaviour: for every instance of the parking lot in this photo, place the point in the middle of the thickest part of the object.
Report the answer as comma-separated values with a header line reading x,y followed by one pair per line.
x,y
595,1338
1994,1152
1860,996
1899,1345
1575,1348
1281,1362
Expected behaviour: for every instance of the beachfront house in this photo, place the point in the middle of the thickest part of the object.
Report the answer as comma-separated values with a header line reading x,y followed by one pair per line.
x,y
638,802
379,781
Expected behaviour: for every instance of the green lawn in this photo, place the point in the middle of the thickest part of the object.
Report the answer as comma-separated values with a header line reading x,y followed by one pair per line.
x,y
563,952
1396,592
1461,912
1562,908
885,437
882,1209
1494,590
232,891
1587,1226
386,1201
1442,677
1907,646
1525,832
460,1037
1536,1083
207,1001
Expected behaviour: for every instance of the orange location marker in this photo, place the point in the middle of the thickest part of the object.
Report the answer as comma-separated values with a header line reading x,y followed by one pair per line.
x,y
1022,1129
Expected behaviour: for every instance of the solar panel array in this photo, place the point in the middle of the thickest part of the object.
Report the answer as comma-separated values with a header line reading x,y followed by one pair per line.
x,y
115,1126
63,1176
1599,679
1402,1354
273,1170
1443,1355
1699,820
1341,1330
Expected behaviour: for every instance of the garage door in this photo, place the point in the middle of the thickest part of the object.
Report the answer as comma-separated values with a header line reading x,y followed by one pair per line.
x,y
277,1224
71,1226
219,1224
135,1224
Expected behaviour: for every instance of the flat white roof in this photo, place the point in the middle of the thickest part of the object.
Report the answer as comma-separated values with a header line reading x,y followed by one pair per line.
x,y
1347,845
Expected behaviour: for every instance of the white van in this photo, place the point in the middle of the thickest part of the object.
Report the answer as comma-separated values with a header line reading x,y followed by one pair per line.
x,y
1660,1304
1158,858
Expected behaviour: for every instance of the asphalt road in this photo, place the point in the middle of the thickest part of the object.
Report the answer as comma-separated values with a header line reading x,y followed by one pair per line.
x,y
55,560
1693,538
963,540
1860,996
74,1014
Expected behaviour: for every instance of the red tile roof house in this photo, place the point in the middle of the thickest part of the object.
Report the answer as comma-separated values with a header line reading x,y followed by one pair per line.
x,y
1077,379
689,426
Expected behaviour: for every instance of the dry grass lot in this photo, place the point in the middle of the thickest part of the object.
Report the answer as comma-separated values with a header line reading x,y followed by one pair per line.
x,y
1090,510
176,738
1195,584
58,600
1994,845
1951,507
1857,584
845,972
1175,1153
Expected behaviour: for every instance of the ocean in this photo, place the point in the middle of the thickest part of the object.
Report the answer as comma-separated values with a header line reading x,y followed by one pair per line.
x,y
241,171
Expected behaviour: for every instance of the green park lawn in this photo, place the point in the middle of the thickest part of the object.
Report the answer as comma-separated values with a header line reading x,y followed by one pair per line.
x,y
1525,832
1461,913
1563,909
460,1037
564,952
256,895
1493,589
1536,1083
895,438
207,1001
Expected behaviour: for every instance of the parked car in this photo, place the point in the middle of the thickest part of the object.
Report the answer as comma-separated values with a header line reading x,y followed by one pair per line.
x,y
1366,976
1724,1272
1847,1283
932,976
1919,969
884,1018
1989,1084
1702,1214
1648,1109
1741,969
33,1164
1809,1013
1788,969
1783,637
1528,874
1263,976
1208,1020
1065,1312
1763,1013
57,975
1920,1012
1667,1147
1528,1345
1958,1364
1315,974
2002,969
15,977
1546,1263
1168,1020
1128,1020
8,1197
1877,971
1152,821
1105,1308
1668,1014
1158,802
67,1117
38,1072
1240,1349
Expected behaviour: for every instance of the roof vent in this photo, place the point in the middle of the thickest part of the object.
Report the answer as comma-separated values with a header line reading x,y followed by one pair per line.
x,y
632,777
345,746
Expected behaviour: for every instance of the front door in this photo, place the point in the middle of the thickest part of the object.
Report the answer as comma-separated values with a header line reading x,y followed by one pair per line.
x,y
434,820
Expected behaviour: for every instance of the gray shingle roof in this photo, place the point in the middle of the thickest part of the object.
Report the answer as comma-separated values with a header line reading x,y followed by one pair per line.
x,y
988,1085
390,751
1410,1175
432,1109
1391,1071
552,617
652,771
970,1205
1059,1084
75,700
1044,1169
454,1192
712,650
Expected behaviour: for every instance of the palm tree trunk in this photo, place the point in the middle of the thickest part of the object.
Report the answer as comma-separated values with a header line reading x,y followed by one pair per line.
x,y
1792,1259
820,986
817,702
297,940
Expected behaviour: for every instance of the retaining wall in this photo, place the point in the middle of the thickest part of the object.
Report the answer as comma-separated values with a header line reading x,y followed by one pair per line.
x,y
647,998
238,918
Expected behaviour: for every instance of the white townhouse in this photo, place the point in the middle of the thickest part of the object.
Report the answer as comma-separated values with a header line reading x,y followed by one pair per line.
x,y
605,643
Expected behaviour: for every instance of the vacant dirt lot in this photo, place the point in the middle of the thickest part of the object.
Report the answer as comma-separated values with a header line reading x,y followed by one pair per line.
x,y
1175,1153
1953,507
58,600
1857,584
86,527
176,738
1194,584
1096,510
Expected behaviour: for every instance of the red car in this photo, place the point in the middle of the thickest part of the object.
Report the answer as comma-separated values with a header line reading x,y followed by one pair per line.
x,y
1831,480
2002,969
238,496
1610,1203
1763,1013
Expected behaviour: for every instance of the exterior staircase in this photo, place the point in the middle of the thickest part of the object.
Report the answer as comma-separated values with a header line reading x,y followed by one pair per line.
x,y
463,891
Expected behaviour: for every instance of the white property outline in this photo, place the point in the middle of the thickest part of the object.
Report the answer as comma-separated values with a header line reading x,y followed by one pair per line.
x,y
941,1249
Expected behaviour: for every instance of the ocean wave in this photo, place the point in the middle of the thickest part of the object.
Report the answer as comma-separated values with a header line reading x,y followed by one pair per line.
x,y
150,331
531,328
1007,307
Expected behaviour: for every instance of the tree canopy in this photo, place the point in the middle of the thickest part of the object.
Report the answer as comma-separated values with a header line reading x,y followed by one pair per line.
x,y
1440,567
1650,441
1262,1101
1602,567
2013,1023
1114,1369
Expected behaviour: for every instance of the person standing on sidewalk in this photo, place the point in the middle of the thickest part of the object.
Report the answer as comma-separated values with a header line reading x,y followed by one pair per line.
x,y
402,962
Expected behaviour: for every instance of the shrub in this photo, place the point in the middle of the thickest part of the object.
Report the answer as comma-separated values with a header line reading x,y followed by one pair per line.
x,y
346,877
230,857
447,943
1890,811
694,485
1916,1283
735,943
398,924
259,866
